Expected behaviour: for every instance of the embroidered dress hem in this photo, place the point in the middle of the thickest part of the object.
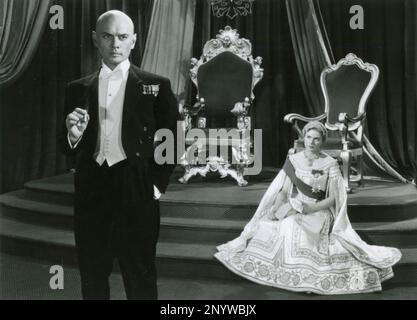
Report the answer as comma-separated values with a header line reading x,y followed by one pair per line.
x,y
291,279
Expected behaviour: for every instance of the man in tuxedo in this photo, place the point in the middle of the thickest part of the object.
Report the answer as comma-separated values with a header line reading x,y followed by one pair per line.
x,y
111,118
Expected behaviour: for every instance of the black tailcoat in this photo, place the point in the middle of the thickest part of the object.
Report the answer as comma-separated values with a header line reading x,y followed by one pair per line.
x,y
143,115
117,205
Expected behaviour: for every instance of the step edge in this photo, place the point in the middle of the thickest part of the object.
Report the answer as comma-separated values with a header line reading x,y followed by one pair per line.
x,y
65,211
168,253
410,253
30,187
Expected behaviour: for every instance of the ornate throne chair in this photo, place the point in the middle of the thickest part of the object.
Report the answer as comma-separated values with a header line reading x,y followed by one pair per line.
x,y
346,87
225,76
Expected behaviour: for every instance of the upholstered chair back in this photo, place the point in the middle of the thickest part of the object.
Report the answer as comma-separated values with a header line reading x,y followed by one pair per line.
x,y
345,88
223,81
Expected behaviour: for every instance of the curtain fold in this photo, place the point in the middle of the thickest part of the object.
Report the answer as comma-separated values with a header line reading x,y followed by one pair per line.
x,y
410,81
389,41
28,137
168,48
201,35
22,24
310,51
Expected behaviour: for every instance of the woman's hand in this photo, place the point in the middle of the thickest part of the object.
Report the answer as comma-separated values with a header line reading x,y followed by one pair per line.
x,y
321,205
308,208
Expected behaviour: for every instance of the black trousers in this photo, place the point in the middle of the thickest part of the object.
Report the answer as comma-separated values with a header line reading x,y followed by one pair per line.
x,y
115,217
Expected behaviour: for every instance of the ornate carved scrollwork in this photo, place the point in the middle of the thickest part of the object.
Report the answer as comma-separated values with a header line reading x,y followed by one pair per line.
x,y
231,8
214,164
228,40
198,158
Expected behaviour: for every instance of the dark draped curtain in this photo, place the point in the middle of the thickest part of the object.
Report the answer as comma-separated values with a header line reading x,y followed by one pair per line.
x,y
31,110
389,40
169,46
280,91
21,27
313,52
311,49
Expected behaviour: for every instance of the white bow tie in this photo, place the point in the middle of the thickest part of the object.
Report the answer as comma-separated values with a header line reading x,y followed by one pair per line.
x,y
115,74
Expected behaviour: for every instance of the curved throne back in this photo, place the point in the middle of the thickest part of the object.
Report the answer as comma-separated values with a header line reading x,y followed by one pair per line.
x,y
345,89
225,76
223,81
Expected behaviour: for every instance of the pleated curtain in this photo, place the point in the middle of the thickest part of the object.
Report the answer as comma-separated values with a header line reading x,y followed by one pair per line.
x,y
21,28
169,43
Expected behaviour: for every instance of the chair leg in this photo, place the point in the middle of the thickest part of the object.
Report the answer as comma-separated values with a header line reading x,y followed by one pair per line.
x,y
193,171
187,175
346,156
237,174
360,165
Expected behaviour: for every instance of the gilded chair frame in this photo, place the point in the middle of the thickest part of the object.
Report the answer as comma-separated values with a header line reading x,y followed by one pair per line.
x,y
347,126
228,40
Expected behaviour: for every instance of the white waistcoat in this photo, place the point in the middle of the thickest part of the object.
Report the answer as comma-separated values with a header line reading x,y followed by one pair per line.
x,y
111,95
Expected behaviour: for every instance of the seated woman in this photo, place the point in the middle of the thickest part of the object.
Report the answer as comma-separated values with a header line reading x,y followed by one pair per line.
x,y
300,237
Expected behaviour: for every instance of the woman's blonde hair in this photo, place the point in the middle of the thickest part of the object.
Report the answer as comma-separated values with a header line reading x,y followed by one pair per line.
x,y
316,125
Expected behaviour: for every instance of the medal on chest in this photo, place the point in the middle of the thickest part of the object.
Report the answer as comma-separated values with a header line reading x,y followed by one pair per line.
x,y
316,186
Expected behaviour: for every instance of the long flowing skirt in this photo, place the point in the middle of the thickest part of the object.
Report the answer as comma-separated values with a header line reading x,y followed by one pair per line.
x,y
299,254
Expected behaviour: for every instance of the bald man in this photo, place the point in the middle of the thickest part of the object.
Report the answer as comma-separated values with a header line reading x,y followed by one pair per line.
x,y
111,118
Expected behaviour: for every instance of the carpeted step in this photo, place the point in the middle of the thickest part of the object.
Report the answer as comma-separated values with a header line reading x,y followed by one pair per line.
x,y
173,259
57,246
378,201
59,190
37,222
400,234
16,206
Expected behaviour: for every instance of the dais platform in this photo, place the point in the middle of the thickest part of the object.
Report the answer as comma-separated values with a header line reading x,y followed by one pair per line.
x,y
36,222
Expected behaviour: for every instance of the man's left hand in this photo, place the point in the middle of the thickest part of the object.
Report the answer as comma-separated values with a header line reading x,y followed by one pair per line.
x,y
156,193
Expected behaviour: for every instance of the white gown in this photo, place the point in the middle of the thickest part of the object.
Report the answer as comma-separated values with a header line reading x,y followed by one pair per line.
x,y
317,252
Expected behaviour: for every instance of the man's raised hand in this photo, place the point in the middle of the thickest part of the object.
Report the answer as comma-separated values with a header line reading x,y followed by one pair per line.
x,y
76,123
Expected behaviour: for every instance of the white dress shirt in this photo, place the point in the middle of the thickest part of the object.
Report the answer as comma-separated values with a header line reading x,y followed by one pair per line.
x,y
111,95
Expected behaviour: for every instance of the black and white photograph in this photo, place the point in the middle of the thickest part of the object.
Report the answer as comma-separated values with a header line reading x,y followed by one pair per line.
x,y
234,151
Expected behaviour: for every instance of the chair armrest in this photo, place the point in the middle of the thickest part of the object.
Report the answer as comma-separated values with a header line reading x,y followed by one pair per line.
x,y
293,118
194,110
345,118
188,112
241,108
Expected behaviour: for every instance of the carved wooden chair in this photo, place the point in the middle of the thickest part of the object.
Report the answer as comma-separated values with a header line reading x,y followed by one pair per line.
x,y
225,76
346,87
